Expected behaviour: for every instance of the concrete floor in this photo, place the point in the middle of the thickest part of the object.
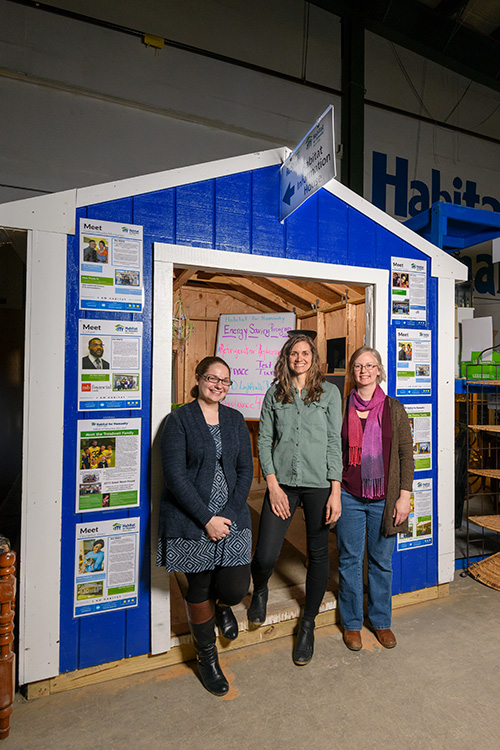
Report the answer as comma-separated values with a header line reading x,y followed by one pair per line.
x,y
438,689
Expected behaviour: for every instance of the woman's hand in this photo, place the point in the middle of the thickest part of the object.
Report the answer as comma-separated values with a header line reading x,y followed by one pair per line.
x,y
333,504
402,508
218,528
278,499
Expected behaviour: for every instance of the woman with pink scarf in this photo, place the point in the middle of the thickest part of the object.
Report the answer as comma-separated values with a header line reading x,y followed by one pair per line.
x,y
376,485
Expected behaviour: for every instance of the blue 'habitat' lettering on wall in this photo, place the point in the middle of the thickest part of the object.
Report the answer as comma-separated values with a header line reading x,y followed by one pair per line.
x,y
424,196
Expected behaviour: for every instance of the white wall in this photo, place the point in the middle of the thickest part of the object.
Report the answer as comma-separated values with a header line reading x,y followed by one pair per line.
x,y
84,104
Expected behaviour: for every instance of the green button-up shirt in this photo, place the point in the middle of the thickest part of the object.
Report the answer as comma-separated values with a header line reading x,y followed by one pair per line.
x,y
299,442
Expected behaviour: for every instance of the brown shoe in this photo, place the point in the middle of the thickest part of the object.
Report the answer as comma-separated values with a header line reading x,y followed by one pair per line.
x,y
352,639
386,638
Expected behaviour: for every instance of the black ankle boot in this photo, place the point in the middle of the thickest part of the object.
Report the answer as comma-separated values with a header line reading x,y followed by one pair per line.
x,y
226,622
304,645
209,669
258,605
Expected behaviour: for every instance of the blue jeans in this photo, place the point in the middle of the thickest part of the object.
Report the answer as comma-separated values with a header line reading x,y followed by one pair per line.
x,y
360,520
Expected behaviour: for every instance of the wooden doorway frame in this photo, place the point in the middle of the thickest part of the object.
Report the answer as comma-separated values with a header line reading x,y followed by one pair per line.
x,y
166,256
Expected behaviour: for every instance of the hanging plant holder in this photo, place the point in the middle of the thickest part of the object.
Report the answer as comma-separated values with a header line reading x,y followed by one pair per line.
x,y
182,328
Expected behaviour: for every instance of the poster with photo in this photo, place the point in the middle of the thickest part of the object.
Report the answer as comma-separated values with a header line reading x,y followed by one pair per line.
x,y
108,464
111,266
420,518
110,364
413,362
106,566
420,416
408,290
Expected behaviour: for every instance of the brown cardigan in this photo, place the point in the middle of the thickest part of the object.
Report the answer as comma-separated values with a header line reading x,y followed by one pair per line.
x,y
401,466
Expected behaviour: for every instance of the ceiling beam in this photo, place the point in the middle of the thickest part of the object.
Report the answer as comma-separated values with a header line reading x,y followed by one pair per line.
x,y
427,32
252,287
298,290
183,278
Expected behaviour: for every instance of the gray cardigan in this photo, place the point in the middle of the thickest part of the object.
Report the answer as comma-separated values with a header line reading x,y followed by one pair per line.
x,y
188,459
401,466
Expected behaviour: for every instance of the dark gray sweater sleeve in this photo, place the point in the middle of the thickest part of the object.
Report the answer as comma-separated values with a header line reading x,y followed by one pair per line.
x,y
173,448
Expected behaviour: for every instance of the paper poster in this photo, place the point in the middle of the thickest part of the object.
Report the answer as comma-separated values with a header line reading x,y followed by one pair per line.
x,y
250,344
111,256
108,464
110,364
420,518
413,362
420,416
408,290
106,565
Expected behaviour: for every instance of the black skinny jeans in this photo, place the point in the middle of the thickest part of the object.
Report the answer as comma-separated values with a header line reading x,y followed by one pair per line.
x,y
272,531
228,585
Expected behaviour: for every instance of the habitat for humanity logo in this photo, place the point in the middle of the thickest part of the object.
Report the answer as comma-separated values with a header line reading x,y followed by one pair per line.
x,y
119,328
125,526
130,230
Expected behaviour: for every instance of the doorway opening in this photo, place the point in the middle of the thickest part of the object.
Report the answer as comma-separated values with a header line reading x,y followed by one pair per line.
x,y
12,333
340,303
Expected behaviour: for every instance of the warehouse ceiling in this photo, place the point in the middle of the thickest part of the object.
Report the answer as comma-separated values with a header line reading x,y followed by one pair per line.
x,y
463,35
482,16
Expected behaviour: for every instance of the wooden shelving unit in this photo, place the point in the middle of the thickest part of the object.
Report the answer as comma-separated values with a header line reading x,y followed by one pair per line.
x,y
483,461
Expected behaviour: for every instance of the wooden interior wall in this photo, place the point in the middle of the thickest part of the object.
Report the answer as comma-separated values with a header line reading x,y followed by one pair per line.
x,y
203,307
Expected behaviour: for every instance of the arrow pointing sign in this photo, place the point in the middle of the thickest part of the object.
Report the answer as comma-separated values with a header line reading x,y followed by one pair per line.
x,y
310,165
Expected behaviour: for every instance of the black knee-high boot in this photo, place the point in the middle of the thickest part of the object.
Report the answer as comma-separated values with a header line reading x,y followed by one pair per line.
x,y
203,633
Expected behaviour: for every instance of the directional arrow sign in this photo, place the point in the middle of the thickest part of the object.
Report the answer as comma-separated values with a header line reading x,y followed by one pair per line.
x,y
310,165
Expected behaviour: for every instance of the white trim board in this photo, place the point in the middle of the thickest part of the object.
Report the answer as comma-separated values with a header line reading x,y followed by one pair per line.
x,y
111,191
39,581
165,257
56,212
45,213
443,264
446,432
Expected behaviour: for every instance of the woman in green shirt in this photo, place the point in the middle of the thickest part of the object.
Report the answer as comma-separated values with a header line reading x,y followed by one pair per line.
x,y
301,458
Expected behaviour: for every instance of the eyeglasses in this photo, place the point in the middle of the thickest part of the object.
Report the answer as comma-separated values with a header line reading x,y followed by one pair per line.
x,y
368,368
215,380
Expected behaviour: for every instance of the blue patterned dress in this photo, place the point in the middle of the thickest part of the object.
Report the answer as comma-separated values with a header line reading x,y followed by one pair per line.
x,y
197,555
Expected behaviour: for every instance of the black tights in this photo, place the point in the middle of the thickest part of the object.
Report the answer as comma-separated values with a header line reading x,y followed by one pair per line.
x,y
228,585
272,531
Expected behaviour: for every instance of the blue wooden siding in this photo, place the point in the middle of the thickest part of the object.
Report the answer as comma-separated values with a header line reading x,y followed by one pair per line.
x,y
236,213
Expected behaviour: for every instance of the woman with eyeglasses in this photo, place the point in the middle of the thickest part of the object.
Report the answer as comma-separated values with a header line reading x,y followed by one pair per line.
x,y
205,528
376,485
301,459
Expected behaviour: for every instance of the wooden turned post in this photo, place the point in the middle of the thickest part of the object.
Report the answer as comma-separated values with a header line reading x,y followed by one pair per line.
x,y
7,608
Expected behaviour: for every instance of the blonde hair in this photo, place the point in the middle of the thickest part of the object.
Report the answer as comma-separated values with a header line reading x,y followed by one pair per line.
x,y
367,350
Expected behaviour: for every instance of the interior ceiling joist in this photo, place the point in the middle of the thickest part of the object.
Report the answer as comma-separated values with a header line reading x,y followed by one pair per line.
x,y
273,293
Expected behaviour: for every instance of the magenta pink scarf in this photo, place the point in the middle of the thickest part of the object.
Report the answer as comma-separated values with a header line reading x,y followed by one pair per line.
x,y
365,448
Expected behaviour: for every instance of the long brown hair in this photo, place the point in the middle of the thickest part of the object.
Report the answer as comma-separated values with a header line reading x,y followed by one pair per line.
x,y
283,376
201,369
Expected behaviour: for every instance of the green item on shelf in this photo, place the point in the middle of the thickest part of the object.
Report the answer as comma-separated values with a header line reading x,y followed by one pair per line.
x,y
481,369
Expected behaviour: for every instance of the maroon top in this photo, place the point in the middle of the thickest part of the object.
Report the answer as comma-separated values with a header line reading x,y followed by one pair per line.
x,y
351,475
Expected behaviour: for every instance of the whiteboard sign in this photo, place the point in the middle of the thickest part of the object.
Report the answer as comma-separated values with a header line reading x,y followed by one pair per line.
x,y
250,345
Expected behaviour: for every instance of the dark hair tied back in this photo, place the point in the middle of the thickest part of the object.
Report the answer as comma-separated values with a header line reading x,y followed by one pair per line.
x,y
201,369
